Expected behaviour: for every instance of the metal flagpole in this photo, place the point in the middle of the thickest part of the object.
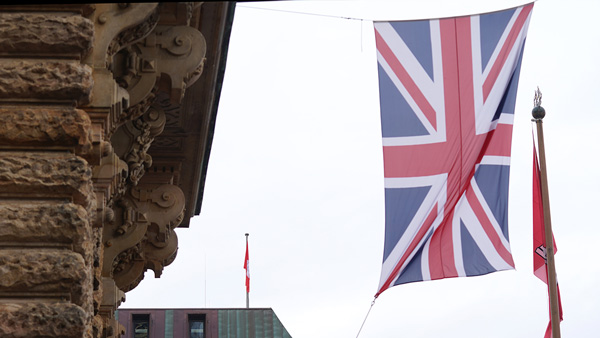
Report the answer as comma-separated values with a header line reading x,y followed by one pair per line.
x,y
204,279
538,114
247,268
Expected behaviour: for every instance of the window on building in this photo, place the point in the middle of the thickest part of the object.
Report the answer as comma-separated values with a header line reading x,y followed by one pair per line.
x,y
141,325
196,322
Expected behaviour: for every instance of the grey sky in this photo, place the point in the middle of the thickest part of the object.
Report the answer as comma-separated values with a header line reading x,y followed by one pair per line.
x,y
296,162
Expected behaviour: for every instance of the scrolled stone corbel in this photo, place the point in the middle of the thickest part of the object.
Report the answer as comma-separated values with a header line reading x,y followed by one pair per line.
x,y
141,236
170,58
119,22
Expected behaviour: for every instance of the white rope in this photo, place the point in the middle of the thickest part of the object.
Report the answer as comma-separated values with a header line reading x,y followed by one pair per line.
x,y
363,323
305,13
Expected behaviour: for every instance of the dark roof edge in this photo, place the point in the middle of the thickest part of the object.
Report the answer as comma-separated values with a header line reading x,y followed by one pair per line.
x,y
218,86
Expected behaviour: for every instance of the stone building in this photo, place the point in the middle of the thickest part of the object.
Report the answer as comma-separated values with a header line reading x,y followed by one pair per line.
x,y
106,120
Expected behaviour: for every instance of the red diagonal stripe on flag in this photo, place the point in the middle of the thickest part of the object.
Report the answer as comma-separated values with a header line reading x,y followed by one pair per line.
x,y
489,82
406,80
487,226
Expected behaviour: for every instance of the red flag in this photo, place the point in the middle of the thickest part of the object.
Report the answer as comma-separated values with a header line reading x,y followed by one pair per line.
x,y
247,267
539,237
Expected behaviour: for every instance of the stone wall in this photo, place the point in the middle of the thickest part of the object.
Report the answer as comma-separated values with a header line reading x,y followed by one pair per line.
x,y
82,215
47,200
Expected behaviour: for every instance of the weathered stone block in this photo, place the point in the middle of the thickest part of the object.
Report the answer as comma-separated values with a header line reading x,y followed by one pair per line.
x,y
57,127
37,33
37,320
51,222
45,80
40,270
47,174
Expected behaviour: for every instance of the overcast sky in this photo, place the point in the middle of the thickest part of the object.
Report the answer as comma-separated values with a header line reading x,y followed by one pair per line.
x,y
297,162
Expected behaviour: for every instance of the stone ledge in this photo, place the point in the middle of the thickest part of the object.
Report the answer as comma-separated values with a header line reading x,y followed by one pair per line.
x,y
59,223
37,320
46,175
36,33
44,127
45,80
35,270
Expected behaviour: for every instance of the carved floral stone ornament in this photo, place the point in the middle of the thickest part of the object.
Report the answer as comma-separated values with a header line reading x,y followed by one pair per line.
x,y
133,140
95,172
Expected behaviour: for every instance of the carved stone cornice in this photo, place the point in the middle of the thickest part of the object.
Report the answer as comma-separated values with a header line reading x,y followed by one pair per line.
x,y
115,26
133,63
183,149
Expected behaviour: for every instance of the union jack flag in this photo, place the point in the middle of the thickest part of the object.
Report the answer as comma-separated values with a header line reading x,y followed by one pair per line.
x,y
447,97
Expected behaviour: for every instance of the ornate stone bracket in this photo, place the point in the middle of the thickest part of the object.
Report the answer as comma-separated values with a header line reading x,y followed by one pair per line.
x,y
141,51
169,59
141,236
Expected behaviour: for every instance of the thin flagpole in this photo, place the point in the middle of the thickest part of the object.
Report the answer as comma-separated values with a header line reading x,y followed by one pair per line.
x,y
204,279
538,114
247,268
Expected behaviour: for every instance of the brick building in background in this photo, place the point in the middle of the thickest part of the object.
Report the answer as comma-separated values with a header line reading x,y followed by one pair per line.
x,y
201,323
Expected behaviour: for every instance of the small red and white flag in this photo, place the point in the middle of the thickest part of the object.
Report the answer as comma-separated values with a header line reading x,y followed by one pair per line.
x,y
247,267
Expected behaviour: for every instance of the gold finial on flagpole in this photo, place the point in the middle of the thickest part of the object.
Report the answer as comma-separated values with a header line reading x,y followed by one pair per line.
x,y
538,111
537,99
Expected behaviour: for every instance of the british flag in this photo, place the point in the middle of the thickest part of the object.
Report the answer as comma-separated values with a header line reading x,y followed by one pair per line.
x,y
447,97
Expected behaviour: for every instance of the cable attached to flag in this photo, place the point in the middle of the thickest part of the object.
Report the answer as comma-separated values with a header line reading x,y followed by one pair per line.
x,y
304,13
363,323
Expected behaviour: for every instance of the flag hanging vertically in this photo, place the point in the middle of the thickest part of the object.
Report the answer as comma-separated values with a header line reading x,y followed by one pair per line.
x,y
540,269
247,267
447,95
